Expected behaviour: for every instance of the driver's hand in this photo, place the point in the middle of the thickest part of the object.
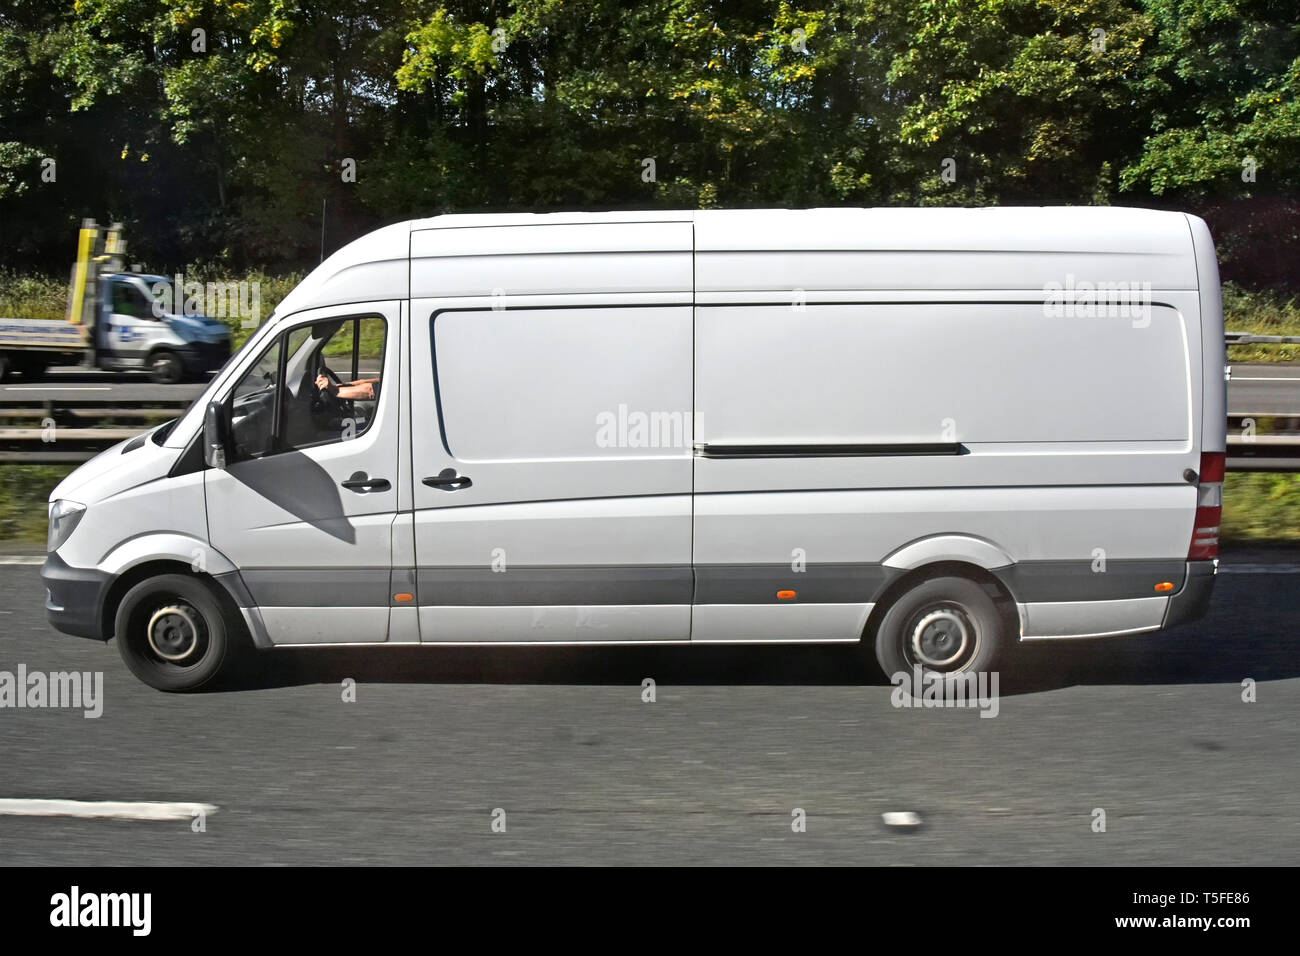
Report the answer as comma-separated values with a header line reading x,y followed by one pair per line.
x,y
324,384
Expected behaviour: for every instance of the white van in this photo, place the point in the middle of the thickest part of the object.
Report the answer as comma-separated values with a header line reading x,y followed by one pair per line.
x,y
934,431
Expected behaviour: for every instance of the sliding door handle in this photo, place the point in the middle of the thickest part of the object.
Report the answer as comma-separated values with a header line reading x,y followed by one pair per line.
x,y
448,480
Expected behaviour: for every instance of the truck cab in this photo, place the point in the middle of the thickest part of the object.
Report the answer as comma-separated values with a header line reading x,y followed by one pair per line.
x,y
117,320
133,333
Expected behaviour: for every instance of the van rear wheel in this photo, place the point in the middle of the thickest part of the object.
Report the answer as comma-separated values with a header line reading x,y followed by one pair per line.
x,y
172,632
946,625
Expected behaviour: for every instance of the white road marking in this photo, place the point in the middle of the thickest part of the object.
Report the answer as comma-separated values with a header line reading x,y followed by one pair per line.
x,y
22,559
58,388
1262,378
903,818
103,809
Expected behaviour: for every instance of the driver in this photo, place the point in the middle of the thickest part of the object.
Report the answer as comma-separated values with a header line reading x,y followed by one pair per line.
x,y
362,389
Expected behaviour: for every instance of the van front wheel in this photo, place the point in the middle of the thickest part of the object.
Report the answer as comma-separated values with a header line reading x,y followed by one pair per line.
x,y
171,632
947,625
166,368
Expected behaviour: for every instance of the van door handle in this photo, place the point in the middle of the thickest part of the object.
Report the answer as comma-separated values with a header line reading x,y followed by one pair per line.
x,y
363,482
448,480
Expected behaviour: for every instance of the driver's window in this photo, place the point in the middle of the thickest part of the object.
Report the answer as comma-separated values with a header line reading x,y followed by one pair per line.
x,y
129,300
346,362
253,406
332,377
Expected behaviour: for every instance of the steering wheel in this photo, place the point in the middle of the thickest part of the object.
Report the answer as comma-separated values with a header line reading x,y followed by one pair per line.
x,y
325,403
323,369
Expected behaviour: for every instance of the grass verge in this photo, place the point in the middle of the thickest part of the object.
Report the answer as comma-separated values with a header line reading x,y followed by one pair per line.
x,y
24,493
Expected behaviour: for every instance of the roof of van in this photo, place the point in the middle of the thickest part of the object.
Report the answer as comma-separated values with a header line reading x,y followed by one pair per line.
x,y
378,265
963,218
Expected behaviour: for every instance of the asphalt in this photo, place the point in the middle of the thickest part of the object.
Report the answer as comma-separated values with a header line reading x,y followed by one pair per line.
x,y
1265,389
73,384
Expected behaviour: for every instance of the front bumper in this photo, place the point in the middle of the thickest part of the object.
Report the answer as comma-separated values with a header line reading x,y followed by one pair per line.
x,y
74,598
1193,598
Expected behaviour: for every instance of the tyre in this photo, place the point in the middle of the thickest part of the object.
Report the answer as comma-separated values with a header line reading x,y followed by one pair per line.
x,y
946,625
166,368
172,632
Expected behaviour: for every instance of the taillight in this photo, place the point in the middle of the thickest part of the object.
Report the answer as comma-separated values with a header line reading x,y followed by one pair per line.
x,y
1209,508
1212,466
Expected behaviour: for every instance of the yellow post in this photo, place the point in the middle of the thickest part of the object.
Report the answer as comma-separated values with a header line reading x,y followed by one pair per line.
x,y
77,295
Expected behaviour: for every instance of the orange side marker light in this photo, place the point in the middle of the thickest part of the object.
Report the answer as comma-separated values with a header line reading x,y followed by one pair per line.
x,y
785,595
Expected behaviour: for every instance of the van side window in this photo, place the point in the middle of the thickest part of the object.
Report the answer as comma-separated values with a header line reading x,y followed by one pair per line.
x,y
315,385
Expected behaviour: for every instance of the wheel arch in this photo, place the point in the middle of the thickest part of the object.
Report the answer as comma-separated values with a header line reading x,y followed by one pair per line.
x,y
956,548
905,581
152,555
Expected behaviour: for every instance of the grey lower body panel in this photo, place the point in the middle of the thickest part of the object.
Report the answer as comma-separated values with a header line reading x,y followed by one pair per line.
x,y
843,583
554,585
732,603
1193,582
317,587
1191,603
1046,620
325,625
1092,580
556,624
778,623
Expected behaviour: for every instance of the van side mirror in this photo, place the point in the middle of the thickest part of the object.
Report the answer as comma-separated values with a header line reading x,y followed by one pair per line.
x,y
216,435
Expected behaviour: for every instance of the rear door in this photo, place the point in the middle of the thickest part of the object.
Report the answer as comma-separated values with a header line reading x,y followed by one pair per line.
x,y
306,507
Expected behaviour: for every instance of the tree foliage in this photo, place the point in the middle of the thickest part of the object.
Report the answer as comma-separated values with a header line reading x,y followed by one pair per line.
x,y
224,130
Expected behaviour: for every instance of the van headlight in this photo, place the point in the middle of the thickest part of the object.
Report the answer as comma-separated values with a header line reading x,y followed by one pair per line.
x,y
64,518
